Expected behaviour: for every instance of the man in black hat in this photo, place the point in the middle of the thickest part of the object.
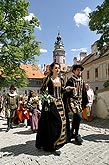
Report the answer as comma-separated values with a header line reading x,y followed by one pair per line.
x,y
75,99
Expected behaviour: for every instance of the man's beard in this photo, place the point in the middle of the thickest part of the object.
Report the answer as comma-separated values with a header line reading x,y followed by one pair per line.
x,y
79,75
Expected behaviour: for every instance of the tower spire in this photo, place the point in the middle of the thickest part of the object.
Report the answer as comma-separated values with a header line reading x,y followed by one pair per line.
x,y
59,52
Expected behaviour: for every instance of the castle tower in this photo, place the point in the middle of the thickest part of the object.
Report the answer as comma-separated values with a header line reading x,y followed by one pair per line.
x,y
59,53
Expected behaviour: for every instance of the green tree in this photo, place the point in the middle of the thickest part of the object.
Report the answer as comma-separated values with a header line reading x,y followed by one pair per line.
x,y
17,41
106,84
99,22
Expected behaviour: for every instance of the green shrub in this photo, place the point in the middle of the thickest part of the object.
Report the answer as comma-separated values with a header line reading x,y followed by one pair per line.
x,y
106,84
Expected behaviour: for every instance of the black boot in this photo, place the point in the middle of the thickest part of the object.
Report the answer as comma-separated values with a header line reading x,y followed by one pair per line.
x,y
8,123
11,126
56,153
8,128
72,136
78,140
11,123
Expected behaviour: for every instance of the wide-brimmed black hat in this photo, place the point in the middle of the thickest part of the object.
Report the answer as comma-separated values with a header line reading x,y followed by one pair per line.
x,y
75,66
12,87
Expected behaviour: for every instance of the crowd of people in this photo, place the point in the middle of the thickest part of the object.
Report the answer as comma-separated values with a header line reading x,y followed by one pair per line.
x,y
20,109
56,115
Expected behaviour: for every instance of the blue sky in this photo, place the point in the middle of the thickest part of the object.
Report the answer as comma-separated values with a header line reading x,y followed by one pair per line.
x,y
70,18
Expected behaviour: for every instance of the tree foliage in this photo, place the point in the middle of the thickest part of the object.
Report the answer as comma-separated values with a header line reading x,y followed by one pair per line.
x,y
106,84
99,22
17,41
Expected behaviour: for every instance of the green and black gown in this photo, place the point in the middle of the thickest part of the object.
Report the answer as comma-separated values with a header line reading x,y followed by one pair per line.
x,y
52,123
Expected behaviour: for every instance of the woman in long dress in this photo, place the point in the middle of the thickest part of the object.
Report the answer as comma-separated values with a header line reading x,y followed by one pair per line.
x,y
52,123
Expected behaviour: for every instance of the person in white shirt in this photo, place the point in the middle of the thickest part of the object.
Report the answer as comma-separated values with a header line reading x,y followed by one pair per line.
x,y
87,113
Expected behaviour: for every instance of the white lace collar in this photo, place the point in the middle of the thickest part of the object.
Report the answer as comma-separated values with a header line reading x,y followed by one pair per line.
x,y
57,79
12,94
76,78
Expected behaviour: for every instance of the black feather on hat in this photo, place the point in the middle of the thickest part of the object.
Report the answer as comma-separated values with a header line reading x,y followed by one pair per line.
x,y
75,66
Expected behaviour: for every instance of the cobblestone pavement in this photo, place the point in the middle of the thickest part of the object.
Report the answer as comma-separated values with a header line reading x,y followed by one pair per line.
x,y
17,147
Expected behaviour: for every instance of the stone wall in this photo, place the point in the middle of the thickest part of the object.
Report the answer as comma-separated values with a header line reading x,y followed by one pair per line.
x,y
101,104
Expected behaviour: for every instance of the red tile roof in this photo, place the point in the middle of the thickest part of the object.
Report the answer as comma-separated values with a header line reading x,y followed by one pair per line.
x,y
32,71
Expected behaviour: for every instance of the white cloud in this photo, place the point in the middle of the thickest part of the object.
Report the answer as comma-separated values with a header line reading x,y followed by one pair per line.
x,y
73,50
82,18
29,17
80,49
43,51
87,10
38,27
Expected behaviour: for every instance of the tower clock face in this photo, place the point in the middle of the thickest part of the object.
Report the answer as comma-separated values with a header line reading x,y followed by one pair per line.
x,y
60,53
